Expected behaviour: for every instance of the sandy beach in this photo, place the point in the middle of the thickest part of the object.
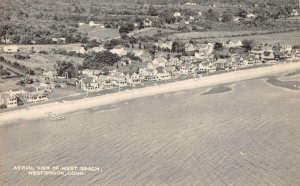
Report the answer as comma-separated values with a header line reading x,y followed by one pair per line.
x,y
37,112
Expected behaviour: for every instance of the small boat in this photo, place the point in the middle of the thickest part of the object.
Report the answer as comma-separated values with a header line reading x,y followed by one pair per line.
x,y
55,116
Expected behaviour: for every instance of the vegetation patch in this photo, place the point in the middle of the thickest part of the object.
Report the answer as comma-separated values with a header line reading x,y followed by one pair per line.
x,y
218,89
292,85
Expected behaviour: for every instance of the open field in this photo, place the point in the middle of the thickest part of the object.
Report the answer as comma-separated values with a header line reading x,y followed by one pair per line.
x,y
45,61
288,38
291,38
248,136
99,33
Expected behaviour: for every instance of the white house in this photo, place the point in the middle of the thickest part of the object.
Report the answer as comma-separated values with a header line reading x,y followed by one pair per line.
x,y
234,44
250,15
120,51
159,62
11,49
8,98
295,12
147,22
162,74
176,14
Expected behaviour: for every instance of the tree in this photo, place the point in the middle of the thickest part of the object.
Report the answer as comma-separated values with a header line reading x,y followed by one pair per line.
x,y
152,11
64,68
248,44
100,60
218,46
211,15
3,106
227,16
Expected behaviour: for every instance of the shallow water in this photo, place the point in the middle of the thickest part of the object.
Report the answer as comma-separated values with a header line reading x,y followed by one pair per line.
x,y
249,136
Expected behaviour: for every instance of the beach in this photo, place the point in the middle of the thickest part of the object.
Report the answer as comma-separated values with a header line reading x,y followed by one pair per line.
x,y
247,135
37,112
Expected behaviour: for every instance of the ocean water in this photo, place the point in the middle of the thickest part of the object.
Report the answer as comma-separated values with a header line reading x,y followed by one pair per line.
x,y
247,136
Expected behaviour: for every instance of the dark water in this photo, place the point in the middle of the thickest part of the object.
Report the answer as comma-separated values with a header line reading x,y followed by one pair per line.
x,y
249,136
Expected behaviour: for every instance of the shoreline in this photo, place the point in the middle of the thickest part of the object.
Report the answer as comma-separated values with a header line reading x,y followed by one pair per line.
x,y
39,111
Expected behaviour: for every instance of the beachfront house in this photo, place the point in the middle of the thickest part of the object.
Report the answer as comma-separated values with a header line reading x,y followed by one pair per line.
x,y
90,84
162,74
268,57
148,74
222,64
173,71
105,82
8,99
33,95
133,78
183,69
118,79
206,67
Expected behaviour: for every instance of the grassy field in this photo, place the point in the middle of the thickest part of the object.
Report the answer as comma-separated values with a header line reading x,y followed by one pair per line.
x,y
99,33
153,31
45,61
291,38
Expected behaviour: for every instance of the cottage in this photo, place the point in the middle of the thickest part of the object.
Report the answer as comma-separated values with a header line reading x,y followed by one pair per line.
x,y
173,62
148,74
146,57
189,48
250,15
268,57
133,78
162,74
87,72
161,61
125,61
234,44
138,53
8,99
176,14
222,64
97,49
164,46
11,49
147,22
50,75
206,67
295,12
73,82
188,59
6,40
90,84
118,79
33,95
105,82
120,51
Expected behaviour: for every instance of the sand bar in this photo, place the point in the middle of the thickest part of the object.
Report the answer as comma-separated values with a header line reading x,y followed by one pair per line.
x,y
39,111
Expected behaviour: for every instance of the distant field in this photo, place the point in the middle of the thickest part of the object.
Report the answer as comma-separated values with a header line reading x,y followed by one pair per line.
x,y
195,35
45,61
292,38
99,33
153,31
